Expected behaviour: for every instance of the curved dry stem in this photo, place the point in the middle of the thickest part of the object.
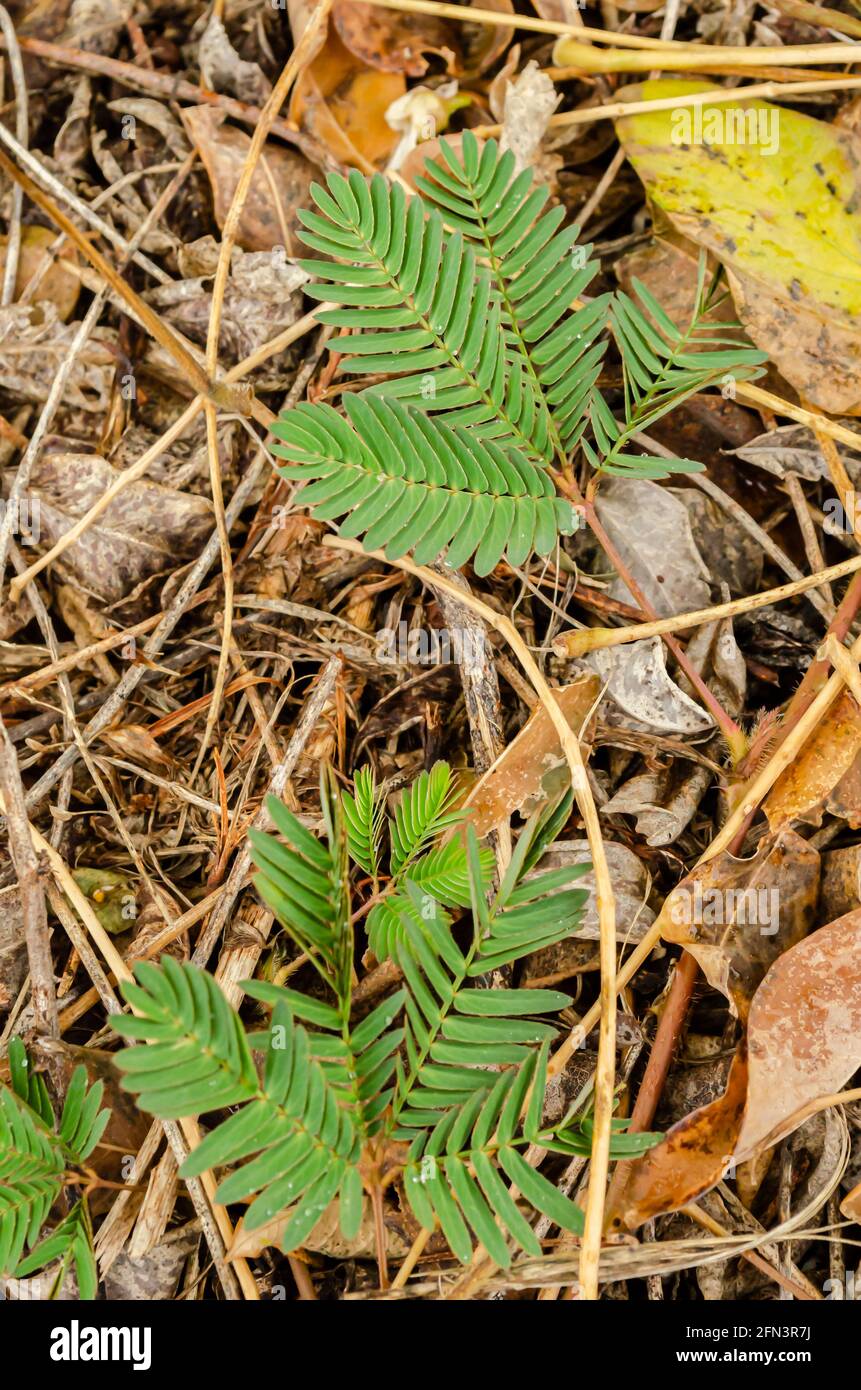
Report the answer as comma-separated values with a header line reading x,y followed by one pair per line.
x,y
588,639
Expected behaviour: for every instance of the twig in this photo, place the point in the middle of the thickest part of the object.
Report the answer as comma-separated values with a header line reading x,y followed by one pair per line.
x,y
58,384
164,84
612,110
282,773
589,639
33,911
22,128
44,178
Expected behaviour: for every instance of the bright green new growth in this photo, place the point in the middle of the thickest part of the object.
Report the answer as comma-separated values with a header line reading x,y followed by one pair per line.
x,y
35,1154
412,1076
464,298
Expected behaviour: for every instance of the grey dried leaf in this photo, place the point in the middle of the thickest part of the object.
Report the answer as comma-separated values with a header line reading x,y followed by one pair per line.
x,y
33,342
793,449
260,301
222,69
151,1277
72,141
664,801
530,101
651,529
157,115
638,683
95,25
732,555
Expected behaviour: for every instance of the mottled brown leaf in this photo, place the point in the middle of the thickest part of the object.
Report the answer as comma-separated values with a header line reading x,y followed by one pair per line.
x,y
804,1032
801,792
736,916
693,1156
532,768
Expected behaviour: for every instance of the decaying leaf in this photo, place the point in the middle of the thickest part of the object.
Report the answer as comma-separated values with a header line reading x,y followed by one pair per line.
x,y
841,882
664,801
532,768
787,227
33,342
529,102
223,70
145,530
804,1032
280,185
341,104
391,41
637,681
802,791
59,284
651,529
692,1157
153,1276
736,916
261,300
793,449
112,897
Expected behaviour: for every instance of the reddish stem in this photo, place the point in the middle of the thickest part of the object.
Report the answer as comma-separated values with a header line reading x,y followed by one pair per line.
x,y
728,727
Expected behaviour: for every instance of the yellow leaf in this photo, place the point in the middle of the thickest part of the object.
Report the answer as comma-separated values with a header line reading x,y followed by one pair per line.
x,y
775,195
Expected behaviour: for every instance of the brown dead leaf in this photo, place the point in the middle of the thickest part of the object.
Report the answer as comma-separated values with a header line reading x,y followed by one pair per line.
x,y
804,1032
693,1156
59,285
736,916
851,1204
136,742
341,104
841,882
532,768
485,43
280,185
802,791
392,41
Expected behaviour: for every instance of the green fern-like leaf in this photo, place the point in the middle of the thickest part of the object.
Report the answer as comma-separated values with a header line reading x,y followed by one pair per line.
x,y
539,272
452,1176
364,813
198,1060
72,1244
424,812
32,1164
423,307
454,1028
305,882
410,483
662,367
34,1156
